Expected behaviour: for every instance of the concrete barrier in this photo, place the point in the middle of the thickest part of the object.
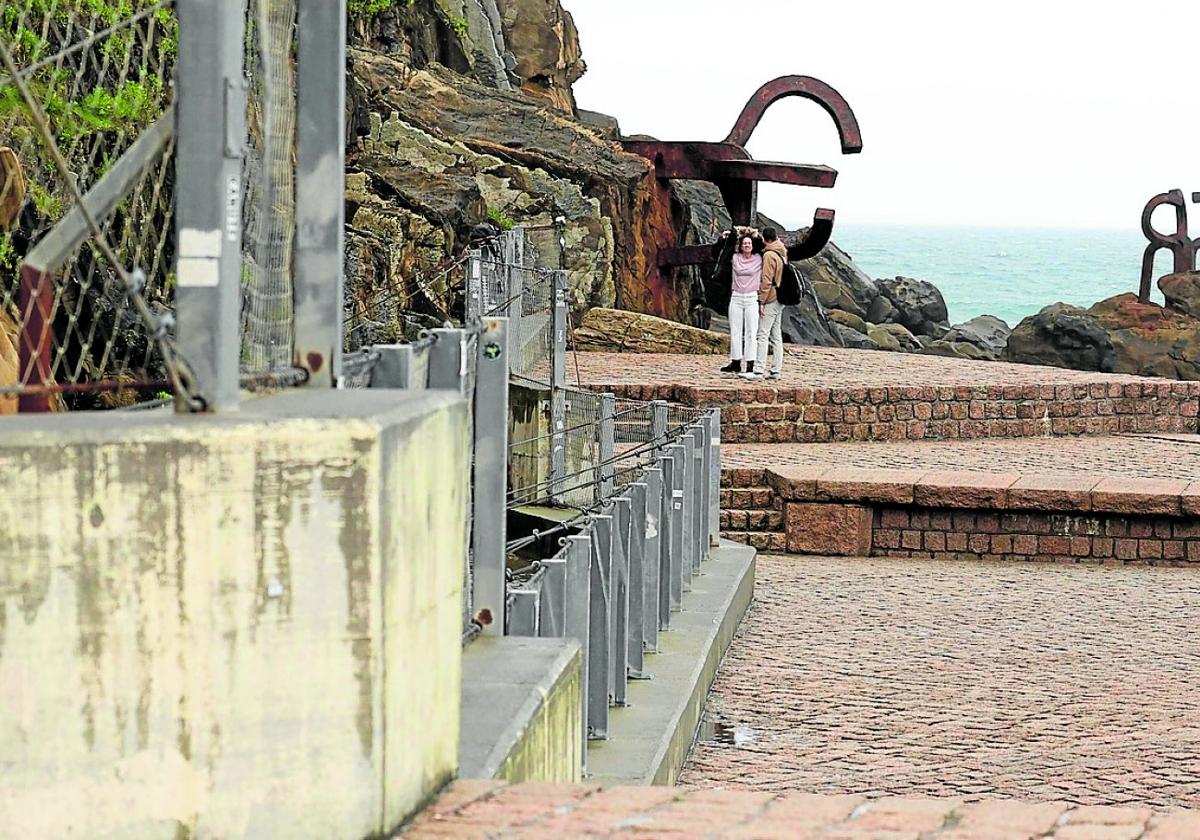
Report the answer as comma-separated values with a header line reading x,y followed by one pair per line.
x,y
237,626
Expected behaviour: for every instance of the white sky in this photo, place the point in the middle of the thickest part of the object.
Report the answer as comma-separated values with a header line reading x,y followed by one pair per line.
x,y
1053,113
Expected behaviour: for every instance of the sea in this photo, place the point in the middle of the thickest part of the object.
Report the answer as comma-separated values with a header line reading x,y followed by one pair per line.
x,y
1007,272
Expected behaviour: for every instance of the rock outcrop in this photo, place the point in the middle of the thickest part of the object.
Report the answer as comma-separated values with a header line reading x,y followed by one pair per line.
x,y
1182,292
630,332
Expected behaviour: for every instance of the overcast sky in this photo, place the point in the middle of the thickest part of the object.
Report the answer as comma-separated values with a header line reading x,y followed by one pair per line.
x,y
1057,113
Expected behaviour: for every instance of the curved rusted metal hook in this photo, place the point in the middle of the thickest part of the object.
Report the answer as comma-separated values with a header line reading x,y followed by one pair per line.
x,y
815,238
1182,247
809,88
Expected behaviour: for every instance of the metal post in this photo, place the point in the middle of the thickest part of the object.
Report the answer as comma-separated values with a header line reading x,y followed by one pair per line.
x,y
608,435
490,477
637,579
448,360
599,689
401,366
699,513
474,286
653,553
714,479
553,623
658,422
619,601
577,614
687,509
516,305
210,145
320,188
558,379
678,558
523,607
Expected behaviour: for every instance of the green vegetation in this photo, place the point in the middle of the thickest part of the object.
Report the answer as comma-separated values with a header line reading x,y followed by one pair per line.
x,y
499,217
459,25
97,100
370,8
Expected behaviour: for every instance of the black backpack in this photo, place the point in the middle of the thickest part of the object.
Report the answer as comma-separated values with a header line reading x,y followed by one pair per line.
x,y
788,290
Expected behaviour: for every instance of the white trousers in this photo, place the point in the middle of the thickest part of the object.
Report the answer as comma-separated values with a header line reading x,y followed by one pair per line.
x,y
770,327
743,326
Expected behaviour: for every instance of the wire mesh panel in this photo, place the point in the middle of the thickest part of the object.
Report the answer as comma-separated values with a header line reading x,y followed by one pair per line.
x,y
269,211
86,285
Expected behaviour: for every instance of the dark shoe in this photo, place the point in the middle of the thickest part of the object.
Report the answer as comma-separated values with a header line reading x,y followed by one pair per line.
x,y
749,367
733,367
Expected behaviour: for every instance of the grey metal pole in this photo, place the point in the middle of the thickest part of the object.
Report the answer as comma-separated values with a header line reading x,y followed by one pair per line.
x,y
699,518
558,379
210,145
608,436
619,600
687,509
552,618
523,608
658,422
668,565
579,562
599,685
320,188
679,559
714,479
474,286
637,580
650,592
490,477
448,360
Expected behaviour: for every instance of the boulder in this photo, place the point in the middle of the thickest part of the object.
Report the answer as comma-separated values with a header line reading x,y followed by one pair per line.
x,y
1148,339
1064,336
896,334
834,295
630,332
1181,291
952,349
920,306
544,45
881,311
848,319
986,333
833,265
855,340
804,323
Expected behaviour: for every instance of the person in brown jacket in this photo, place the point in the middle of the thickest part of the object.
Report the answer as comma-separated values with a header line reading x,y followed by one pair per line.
x,y
770,310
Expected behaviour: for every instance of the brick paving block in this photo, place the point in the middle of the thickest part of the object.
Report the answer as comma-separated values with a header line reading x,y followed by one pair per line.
x,y
883,486
1051,492
998,819
891,814
828,529
1179,825
963,489
1139,495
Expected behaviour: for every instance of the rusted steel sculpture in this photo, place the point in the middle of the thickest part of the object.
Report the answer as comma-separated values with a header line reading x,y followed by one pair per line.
x,y
729,166
1182,247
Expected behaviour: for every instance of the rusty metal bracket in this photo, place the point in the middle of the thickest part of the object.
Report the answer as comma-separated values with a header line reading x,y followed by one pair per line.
x,y
736,174
1182,247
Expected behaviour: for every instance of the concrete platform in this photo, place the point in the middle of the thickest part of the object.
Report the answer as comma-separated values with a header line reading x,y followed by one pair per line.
x,y
533,687
861,395
651,737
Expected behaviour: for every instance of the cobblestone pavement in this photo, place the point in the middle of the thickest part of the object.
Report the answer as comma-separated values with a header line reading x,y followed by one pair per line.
x,y
900,677
491,809
1132,456
824,367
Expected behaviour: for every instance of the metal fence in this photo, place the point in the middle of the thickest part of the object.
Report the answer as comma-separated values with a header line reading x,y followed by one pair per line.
x,y
170,200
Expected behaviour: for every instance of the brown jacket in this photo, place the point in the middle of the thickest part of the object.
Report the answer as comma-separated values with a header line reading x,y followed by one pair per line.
x,y
774,256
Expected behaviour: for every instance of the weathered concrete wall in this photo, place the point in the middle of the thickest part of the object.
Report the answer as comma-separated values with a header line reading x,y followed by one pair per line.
x,y
231,627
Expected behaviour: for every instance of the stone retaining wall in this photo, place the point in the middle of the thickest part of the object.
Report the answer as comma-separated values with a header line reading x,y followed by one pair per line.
x,y
819,415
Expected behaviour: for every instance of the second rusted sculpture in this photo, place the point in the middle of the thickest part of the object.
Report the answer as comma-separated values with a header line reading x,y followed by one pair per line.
x,y
1182,247
736,174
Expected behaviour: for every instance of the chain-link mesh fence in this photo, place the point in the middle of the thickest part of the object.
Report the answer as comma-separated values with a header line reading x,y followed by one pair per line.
x,y
85,92
269,179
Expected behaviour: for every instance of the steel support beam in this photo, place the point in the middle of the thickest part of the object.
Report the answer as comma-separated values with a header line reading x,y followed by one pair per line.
x,y
489,534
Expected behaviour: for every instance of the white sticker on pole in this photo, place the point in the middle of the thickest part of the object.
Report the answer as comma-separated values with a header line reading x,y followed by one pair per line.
x,y
195,272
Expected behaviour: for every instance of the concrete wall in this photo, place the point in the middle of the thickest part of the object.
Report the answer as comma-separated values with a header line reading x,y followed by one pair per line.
x,y
245,626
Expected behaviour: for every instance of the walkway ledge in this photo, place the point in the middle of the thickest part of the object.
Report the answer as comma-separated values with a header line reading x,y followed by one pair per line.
x,y
651,737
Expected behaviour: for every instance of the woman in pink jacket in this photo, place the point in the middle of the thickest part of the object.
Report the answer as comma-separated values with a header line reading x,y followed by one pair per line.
x,y
743,307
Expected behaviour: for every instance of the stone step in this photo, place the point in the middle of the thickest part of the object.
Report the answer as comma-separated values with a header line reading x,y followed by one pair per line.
x,y
1116,499
829,395
752,520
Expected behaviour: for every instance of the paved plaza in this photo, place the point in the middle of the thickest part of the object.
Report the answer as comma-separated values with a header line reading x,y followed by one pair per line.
x,y
897,677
